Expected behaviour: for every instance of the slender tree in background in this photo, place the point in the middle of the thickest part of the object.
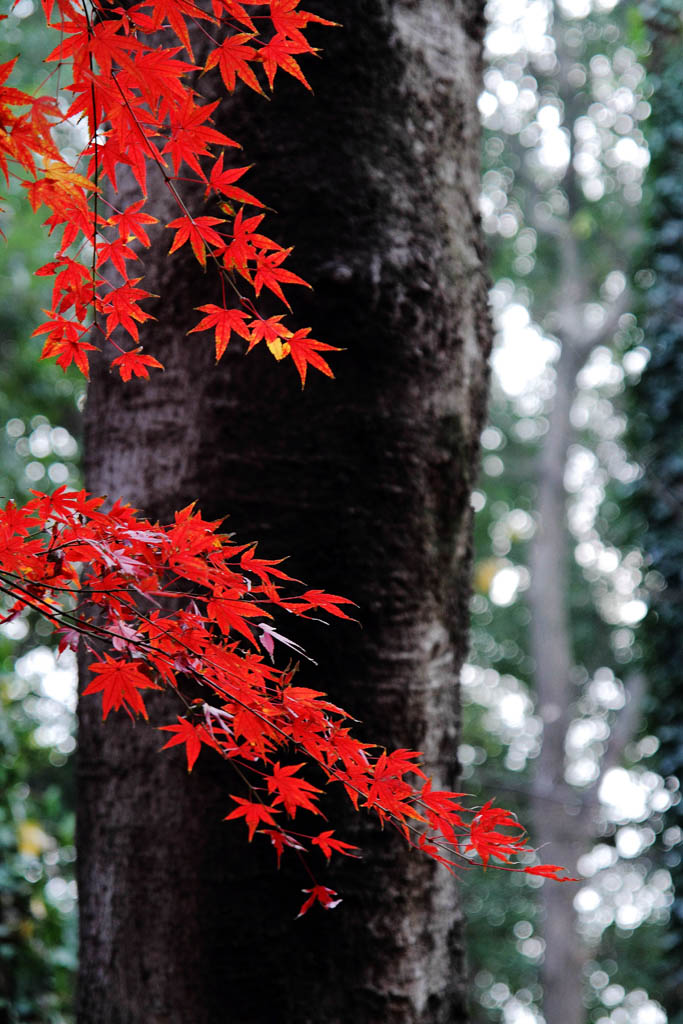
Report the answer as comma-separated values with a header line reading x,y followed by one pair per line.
x,y
565,822
368,479
562,104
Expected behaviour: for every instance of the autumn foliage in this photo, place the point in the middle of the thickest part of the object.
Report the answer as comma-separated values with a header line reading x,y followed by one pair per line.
x,y
141,114
182,607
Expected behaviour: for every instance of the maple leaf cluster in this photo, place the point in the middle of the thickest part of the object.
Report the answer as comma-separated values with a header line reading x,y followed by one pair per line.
x,y
182,608
141,114
159,607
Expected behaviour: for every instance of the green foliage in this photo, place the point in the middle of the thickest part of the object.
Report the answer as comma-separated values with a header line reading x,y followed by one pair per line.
x,y
656,433
38,447
33,393
37,936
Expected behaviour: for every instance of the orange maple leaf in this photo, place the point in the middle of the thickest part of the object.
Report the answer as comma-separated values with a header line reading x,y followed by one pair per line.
x,y
58,184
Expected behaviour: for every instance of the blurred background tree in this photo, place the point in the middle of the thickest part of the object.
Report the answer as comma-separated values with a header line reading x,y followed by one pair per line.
x,y
555,688
39,420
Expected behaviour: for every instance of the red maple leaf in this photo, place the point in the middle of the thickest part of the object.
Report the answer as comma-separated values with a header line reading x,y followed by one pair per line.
x,y
245,239
278,54
129,222
225,321
304,351
320,599
549,871
442,809
269,274
288,21
322,895
157,75
196,230
121,307
280,840
487,841
272,331
65,343
253,813
190,136
221,181
135,362
230,613
192,736
235,10
233,56
175,12
292,792
116,252
100,42
257,734
327,844
120,683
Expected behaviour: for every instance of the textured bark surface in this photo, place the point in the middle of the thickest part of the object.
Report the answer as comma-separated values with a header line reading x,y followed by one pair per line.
x,y
365,482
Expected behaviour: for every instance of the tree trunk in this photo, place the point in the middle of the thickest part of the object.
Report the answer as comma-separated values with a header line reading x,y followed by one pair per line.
x,y
365,482
552,797
565,817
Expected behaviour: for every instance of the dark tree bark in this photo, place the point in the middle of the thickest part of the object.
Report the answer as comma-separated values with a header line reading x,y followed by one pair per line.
x,y
365,482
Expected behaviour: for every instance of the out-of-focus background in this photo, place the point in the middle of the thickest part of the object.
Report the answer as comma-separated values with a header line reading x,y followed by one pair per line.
x,y
572,695
572,714
39,448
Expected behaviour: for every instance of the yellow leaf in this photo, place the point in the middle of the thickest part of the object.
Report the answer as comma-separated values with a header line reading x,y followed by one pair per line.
x,y
38,909
278,349
32,839
63,175
484,571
